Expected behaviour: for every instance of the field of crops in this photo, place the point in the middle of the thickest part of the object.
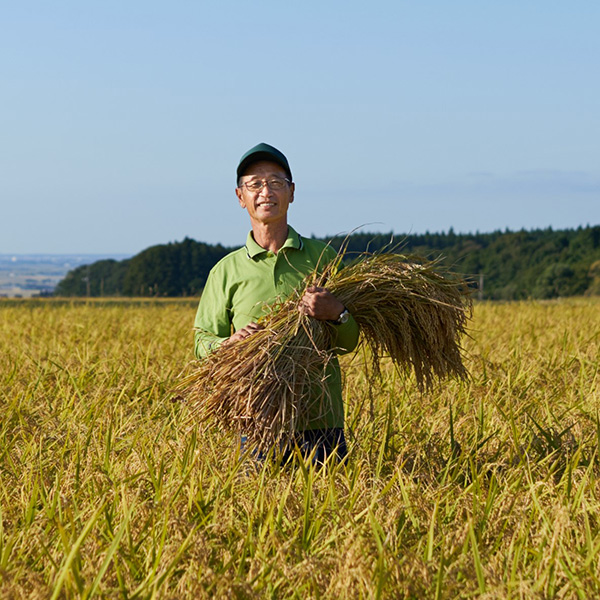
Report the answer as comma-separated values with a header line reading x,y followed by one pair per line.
x,y
488,488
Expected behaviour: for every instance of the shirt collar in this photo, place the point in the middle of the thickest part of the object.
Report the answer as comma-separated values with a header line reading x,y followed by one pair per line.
x,y
293,240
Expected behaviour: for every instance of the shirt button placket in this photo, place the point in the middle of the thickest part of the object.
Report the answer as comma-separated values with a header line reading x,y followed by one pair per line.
x,y
276,277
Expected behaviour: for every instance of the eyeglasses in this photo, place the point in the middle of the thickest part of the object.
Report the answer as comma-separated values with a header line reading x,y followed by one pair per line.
x,y
274,184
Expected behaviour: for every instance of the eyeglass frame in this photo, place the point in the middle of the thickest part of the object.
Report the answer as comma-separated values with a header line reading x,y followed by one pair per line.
x,y
264,183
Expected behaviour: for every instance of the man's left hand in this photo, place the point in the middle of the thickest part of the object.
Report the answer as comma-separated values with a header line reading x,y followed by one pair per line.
x,y
321,304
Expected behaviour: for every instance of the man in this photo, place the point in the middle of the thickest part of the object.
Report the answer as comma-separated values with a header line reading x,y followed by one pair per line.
x,y
268,268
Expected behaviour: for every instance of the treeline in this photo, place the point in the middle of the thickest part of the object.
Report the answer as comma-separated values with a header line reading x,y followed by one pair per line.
x,y
542,263
175,269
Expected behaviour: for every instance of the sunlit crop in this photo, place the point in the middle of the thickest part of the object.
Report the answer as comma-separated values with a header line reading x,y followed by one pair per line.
x,y
482,488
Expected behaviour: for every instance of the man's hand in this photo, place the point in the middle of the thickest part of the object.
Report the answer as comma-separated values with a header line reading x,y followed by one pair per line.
x,y
320,303
243,333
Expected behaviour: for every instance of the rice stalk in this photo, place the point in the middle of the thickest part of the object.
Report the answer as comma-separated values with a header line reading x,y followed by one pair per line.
x,y
265,385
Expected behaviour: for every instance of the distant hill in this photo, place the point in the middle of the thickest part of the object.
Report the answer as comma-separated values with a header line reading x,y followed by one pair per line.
x,y
512,265
174,269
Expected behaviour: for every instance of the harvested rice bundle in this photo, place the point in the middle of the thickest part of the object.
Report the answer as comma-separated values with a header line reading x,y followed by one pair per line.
x,y
264,384
408,311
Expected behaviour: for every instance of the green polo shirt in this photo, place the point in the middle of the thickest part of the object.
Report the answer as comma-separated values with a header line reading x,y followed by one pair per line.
x,y
243,284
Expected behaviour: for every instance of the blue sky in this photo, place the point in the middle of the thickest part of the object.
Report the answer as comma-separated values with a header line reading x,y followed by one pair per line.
x,y
122,122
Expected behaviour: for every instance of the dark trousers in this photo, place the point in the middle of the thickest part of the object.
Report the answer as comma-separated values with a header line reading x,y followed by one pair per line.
x,y
316,444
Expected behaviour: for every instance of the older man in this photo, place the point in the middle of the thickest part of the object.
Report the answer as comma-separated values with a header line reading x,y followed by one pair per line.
x,y
267,269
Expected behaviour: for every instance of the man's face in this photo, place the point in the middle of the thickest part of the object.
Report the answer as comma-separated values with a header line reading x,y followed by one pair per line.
x,y
268,205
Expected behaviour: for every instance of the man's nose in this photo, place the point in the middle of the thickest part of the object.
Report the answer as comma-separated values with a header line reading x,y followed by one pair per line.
x,y
265,191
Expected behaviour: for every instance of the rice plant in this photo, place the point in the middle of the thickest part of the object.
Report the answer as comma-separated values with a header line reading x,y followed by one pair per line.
x,y
485,487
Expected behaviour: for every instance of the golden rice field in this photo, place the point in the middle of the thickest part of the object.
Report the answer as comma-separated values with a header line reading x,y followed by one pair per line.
x,y
486,489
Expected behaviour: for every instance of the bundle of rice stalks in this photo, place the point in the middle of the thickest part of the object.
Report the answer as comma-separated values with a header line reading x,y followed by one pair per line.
x,y
266,384
407,310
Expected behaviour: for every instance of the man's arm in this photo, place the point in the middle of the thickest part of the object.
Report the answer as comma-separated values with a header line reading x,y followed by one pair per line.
x,y
213,318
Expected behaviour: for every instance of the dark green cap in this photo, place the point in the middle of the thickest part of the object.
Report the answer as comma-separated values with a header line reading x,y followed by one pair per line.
x,y
263,152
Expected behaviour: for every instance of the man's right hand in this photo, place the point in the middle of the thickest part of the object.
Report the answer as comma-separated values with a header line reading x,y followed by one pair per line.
x,y
243,333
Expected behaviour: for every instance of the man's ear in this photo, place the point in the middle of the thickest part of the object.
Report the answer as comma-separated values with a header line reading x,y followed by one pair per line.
x,y
238,193
292,190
